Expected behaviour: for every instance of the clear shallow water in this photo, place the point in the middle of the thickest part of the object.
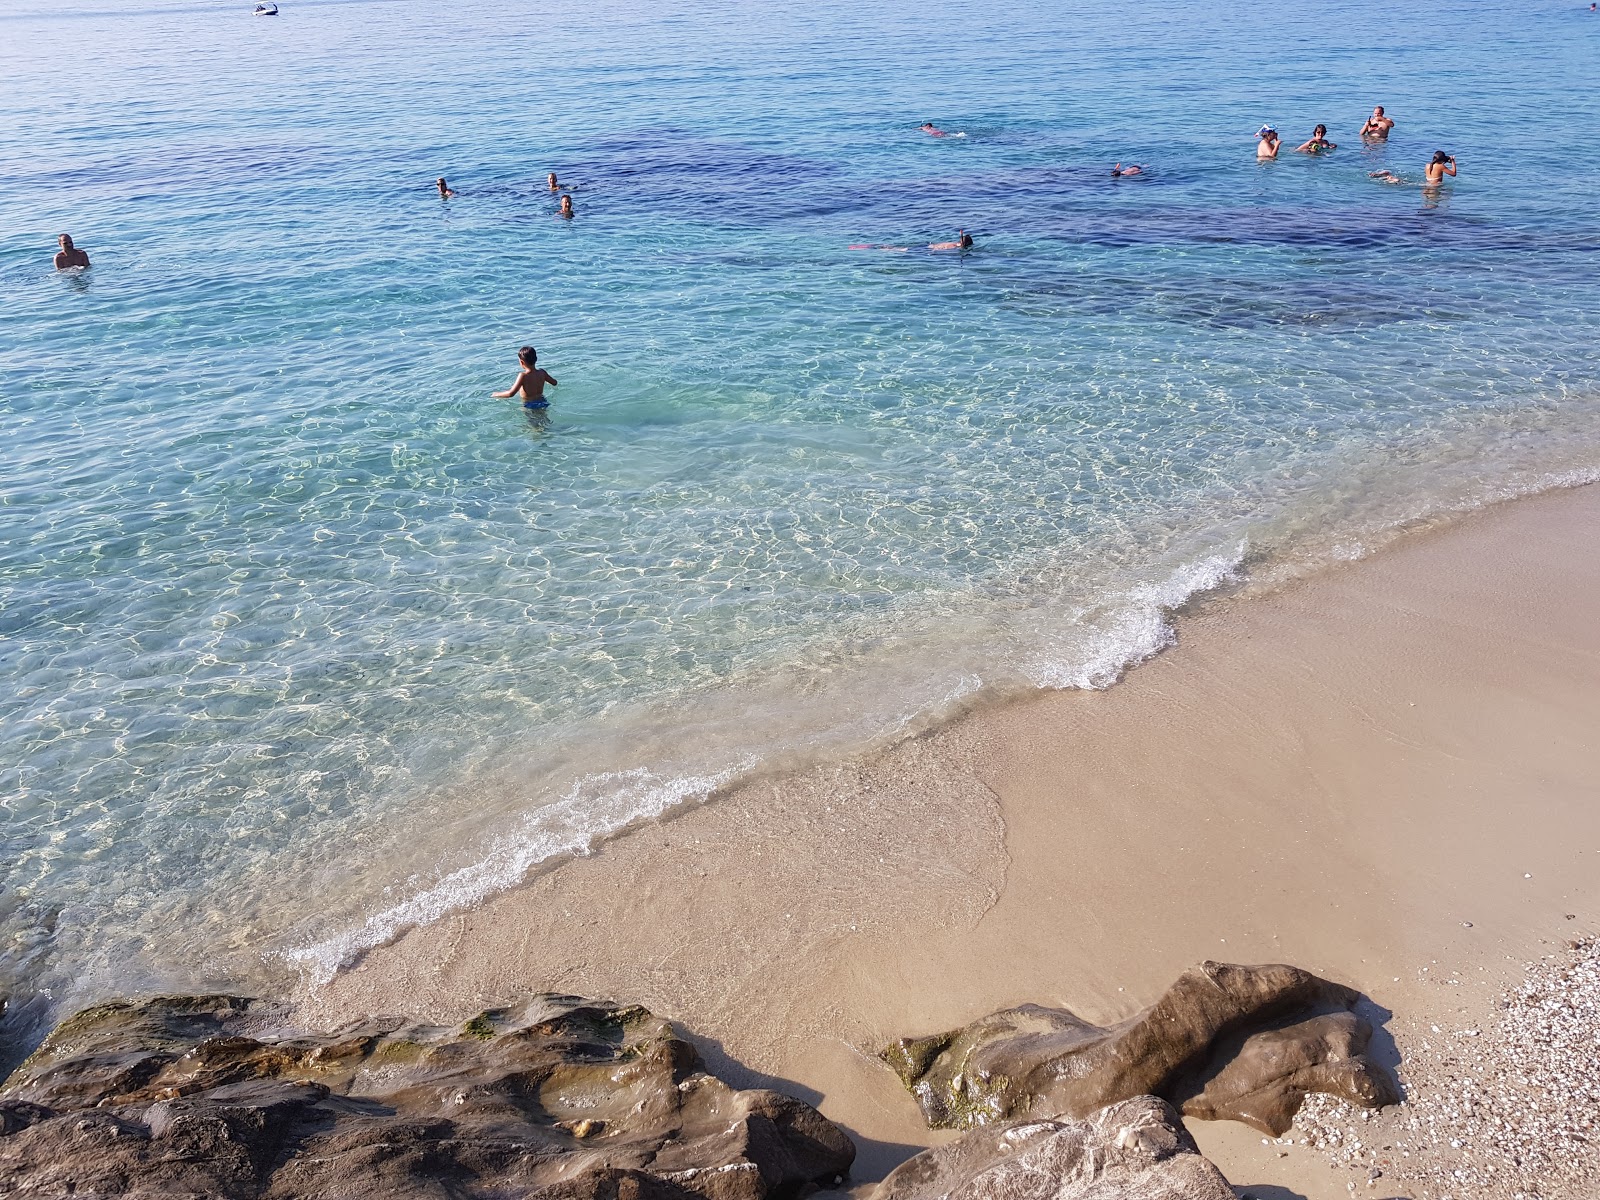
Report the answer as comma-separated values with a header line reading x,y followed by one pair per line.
x,y
304,637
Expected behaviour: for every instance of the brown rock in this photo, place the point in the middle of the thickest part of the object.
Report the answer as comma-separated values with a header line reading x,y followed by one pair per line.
x,y
562,1099
1234,1042
1135,1150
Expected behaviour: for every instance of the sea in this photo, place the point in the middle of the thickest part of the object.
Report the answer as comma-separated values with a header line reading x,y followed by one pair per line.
x,y
305,638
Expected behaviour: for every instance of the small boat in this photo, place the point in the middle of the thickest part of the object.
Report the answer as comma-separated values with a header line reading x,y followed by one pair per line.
x,y
266,10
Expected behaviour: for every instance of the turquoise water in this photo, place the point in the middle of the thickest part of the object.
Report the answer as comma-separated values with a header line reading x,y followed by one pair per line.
x,y
304,637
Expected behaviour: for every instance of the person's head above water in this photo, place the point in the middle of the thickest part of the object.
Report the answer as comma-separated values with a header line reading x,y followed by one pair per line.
x,y
528,357
1320,131
566,206
965,240
551,179
1377,111
1266,131
1439,156
64,241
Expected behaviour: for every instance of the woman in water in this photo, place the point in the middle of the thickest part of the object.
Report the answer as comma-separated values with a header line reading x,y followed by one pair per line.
x,y
1443,164
1319,143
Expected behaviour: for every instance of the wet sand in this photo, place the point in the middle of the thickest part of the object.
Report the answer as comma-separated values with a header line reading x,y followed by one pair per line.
x,y
1385,773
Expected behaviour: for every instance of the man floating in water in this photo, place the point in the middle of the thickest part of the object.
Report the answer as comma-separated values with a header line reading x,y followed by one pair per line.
x,y
932,130
1119,171
963,242
530,382
1377,127
69,256
566,207
1433,174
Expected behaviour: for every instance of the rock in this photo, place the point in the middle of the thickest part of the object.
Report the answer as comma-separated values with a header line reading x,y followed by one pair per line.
x,y
1224,1043
1135,1150
560,1099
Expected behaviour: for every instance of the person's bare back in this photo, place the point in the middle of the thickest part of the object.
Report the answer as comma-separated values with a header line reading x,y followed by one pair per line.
x,y
530,382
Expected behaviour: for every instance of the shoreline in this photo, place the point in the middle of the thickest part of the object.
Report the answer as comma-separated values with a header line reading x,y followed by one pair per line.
x,y
1368,772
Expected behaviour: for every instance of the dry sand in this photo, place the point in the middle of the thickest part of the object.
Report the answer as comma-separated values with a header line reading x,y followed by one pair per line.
x,y
1387,773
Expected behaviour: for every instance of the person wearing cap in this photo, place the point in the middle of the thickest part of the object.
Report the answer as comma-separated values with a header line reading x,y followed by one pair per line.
x,y
1266,142
1377,126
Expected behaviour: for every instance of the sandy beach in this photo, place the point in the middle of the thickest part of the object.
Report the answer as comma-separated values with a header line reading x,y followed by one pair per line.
x,y
1386,773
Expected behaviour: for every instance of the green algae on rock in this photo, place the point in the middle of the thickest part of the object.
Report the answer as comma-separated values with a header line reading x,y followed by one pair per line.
x,y
560,1098
1224,1042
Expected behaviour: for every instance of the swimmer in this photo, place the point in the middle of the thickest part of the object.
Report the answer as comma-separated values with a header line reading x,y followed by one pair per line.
x,y
932,130
1119,171
1378,126
1318,142
566,207
964,242
1385,176
69,256
1442,164
551,180
1266,142
530,381
445,191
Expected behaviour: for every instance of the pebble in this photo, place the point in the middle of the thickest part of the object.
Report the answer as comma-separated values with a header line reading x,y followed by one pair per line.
x,y
1509,1109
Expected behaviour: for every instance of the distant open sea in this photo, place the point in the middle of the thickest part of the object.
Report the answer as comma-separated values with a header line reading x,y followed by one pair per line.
x,y
305,638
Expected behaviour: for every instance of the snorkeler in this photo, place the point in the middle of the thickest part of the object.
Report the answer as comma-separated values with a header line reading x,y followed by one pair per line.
x,y
1118,171
964,242
1441,165
1318,143
69,256
1378,126
566,207
530,381
1266,142
445,191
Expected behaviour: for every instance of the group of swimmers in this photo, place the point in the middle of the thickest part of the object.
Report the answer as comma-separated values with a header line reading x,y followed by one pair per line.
x,y
532,379
1376,129
565,210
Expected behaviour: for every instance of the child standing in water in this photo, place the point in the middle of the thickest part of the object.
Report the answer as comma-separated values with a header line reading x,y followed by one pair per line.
x,y
530,382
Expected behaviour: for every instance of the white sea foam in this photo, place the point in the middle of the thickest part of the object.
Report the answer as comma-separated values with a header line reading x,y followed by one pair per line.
x,y
596,807
1136,628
